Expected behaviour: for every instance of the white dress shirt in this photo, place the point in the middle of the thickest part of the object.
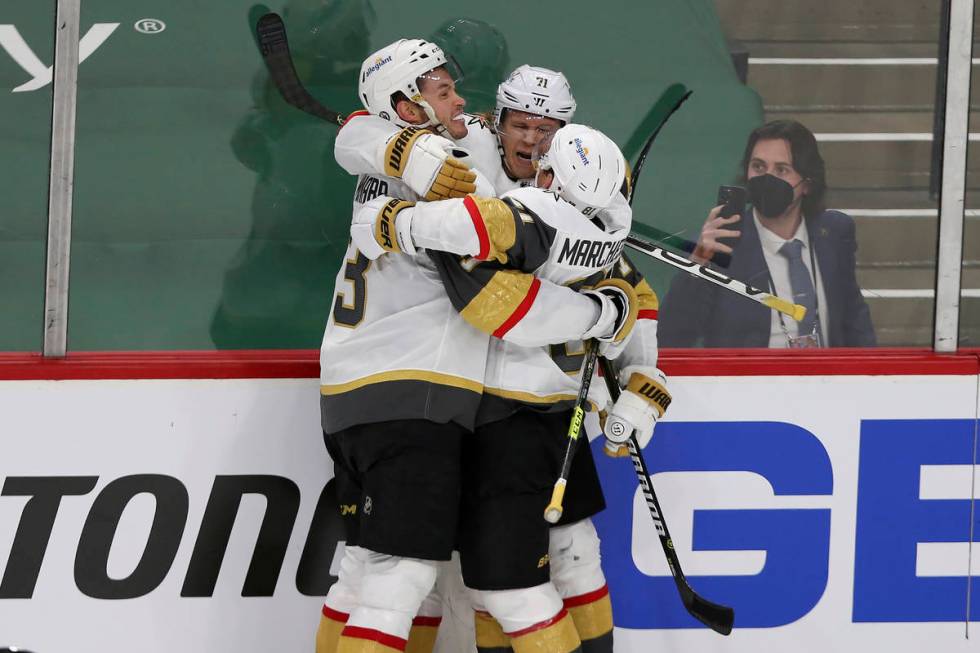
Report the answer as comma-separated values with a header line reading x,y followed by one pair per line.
x,y
779,272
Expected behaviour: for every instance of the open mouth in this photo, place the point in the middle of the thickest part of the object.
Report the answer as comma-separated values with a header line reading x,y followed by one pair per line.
x,y
524,156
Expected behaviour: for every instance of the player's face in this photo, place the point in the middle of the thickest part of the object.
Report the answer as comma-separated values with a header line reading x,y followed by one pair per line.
x,y
519,134
439,90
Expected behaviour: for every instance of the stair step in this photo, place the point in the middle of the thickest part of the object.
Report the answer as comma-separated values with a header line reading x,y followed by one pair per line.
x,y
908,322
834,121
836,49
846,87
886,164
831,20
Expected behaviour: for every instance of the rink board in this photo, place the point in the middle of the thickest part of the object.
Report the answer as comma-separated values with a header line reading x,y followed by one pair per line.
x,y
832,512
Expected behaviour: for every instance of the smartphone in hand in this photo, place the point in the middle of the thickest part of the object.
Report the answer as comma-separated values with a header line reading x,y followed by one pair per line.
x,y
733,197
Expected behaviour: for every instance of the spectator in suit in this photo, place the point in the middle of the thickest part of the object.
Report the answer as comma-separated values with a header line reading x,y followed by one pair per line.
x,y
788,243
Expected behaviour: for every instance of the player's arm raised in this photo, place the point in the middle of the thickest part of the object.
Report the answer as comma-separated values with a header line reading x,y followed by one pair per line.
x,y
427,163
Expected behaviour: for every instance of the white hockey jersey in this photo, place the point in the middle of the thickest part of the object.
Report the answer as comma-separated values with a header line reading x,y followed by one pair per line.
x,y
394,347
534,231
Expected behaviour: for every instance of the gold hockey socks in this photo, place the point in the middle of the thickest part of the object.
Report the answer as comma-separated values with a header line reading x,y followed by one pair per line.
x,y
555,635
490,637
354,639
422,637
328,633
592,614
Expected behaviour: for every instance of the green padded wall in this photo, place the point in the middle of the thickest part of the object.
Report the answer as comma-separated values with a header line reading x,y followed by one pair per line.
x,y
25,150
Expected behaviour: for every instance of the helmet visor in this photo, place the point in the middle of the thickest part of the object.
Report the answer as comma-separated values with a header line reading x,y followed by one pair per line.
x,y
446,72
524,137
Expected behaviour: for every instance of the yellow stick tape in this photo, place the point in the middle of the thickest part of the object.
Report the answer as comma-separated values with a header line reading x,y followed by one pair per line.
x,y
795,311
553,512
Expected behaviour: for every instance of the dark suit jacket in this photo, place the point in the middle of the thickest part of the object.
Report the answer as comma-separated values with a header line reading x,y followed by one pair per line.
x,y
697,313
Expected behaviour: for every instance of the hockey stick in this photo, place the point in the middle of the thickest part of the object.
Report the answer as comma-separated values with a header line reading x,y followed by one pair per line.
x,y
670,100
674,96
680,93
271,33
718,618
796,311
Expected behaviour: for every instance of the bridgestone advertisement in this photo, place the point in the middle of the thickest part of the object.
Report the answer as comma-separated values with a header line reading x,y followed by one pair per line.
x,y
197,516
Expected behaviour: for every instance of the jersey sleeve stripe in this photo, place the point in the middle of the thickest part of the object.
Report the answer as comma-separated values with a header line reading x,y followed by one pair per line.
x,y
649,314
481,228
521,310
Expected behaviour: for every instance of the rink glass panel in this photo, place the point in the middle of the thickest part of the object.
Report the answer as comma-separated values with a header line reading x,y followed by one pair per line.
x,y
25,142
969,330
873,124
209,214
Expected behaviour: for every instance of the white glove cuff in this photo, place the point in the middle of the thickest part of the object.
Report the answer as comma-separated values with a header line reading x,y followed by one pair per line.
x,y
605,325
444,226
425,160
403,231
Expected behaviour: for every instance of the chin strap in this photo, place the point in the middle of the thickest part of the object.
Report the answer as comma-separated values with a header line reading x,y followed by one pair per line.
x,y
433,122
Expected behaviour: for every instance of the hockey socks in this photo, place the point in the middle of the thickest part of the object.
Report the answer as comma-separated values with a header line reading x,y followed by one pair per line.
x,y
422,637
555,635
332,623
592,615
490,637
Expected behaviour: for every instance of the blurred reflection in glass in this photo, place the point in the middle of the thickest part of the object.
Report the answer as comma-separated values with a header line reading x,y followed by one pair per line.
x,y
274,295
787,243
481,52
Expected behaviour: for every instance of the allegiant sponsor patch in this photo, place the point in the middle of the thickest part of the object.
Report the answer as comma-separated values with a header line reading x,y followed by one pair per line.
x,y
376,66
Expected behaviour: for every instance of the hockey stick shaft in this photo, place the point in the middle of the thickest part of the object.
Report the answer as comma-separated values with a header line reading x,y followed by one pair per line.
x,y
554,510
723,259
669,101
718,617
274,46
796,311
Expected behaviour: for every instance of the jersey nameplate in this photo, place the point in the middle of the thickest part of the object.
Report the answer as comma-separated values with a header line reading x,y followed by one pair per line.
x,y
582,252
369,188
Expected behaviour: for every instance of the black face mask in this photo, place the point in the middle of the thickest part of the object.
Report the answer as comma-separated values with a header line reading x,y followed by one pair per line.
x,y
770,195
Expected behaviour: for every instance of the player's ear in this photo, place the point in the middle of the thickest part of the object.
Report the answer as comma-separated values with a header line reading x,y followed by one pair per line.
x,y
409,111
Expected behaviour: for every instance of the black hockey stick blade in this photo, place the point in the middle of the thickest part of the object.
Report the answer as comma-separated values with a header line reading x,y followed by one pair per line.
x,y
271,34
719,618
255,12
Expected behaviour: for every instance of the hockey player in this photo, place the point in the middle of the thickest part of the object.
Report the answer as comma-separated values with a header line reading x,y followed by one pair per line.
x,y
531,105
515,453
396,400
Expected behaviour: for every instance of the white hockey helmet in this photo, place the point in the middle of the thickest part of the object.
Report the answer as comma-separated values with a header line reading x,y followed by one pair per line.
x,y
397,67
588,167
540,91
